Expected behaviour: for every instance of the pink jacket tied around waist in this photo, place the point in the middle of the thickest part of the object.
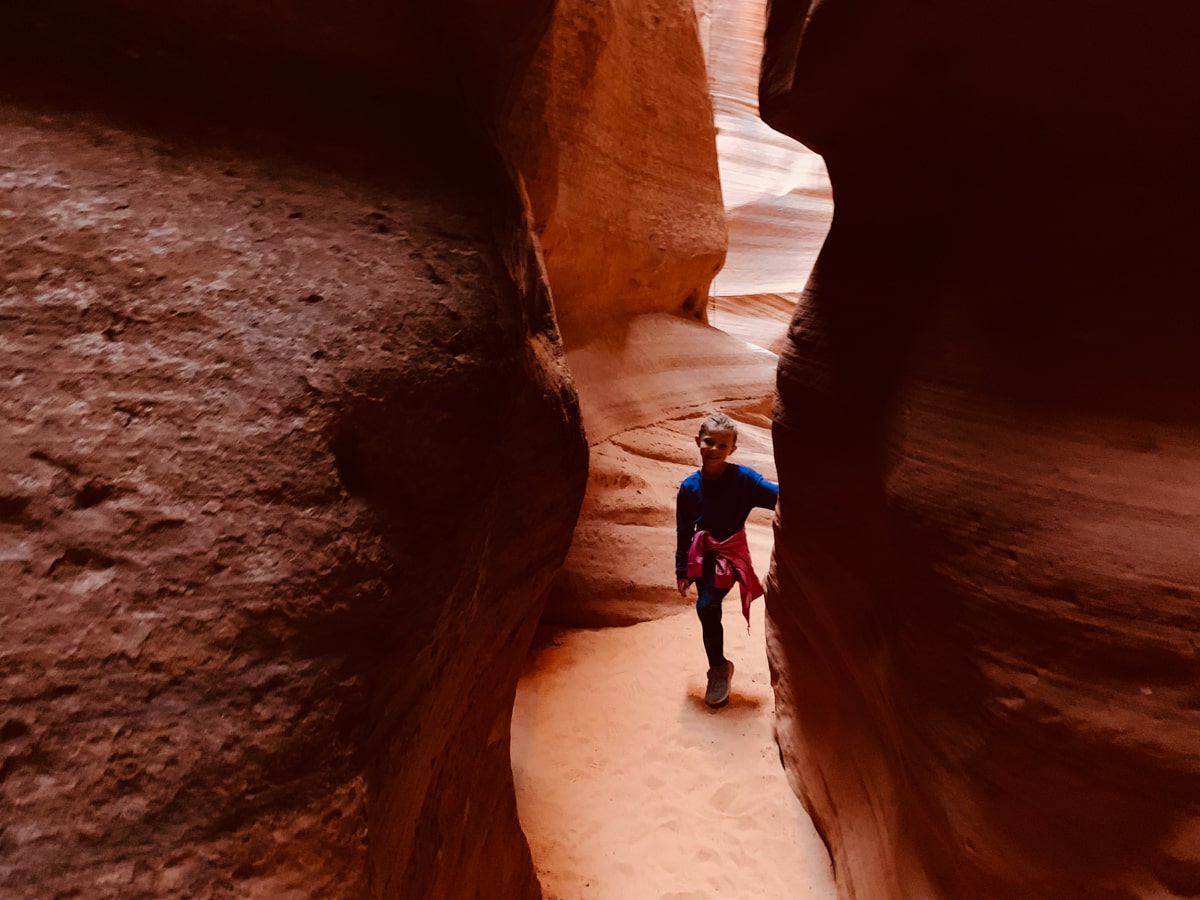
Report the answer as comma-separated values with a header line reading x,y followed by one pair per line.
x,y
733,564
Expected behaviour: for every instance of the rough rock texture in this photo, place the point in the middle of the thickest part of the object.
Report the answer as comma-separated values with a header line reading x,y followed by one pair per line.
x,y
287,458
612,130
986,586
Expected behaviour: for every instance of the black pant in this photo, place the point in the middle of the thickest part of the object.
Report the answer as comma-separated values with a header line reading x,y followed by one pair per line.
x,y
708,608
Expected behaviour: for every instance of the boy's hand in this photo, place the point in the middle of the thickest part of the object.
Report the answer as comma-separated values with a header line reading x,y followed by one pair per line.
x,y
683,586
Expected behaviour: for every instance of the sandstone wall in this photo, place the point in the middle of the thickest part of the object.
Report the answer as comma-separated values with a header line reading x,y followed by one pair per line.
x,y
985,597
776,191
612,130
287,455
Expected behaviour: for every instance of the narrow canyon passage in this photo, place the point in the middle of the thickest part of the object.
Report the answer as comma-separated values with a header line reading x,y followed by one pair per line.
x,y
628,786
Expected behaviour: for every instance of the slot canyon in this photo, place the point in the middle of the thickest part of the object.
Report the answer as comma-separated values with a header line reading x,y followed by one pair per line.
x,y
352,358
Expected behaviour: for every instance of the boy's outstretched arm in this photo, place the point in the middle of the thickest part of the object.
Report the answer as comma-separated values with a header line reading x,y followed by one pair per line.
x,y
766,493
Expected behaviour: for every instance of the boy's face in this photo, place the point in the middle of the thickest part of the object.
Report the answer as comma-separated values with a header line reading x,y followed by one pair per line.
x,y
716,445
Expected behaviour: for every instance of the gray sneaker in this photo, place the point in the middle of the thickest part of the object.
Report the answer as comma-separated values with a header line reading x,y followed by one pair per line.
x,y
719,678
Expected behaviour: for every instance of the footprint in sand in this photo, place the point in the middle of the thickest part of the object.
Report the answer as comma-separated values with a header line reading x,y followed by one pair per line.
x,y
735,798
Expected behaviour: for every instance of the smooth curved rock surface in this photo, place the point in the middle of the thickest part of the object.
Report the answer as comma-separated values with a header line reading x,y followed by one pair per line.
x,y
287,457
761,320
612,130
985,596
776,191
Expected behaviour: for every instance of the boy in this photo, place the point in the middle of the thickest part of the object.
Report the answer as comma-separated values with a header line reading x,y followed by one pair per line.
x,y
711,550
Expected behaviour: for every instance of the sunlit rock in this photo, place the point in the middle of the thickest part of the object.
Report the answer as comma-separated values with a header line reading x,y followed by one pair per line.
x,y
775,190
612,130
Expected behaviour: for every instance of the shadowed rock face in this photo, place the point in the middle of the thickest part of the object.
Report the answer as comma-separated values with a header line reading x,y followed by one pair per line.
x,y
986,586
288,457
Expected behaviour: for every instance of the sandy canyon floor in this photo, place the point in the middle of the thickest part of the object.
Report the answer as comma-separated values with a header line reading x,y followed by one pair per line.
x,y
630,788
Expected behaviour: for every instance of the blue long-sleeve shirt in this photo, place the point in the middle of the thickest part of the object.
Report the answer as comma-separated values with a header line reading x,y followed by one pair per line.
x,y
719,507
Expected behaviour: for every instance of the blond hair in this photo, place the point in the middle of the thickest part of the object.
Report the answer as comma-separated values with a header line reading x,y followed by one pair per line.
x,y
718,422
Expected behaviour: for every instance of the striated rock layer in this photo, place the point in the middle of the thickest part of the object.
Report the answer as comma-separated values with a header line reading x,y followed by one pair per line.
x,y
287,458
776,191
986,587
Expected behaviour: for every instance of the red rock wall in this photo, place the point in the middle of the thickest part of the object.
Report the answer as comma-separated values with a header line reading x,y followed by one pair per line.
x,y
612,129
986,590
287,457
776,191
